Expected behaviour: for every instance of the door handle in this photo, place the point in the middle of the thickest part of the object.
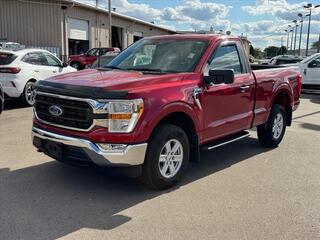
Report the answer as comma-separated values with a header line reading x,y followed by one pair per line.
x,y
244,88
54,71
305,71
36,71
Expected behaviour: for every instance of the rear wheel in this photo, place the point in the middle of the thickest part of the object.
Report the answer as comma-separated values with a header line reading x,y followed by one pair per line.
x,y
1,100
28,95
167,157
76,65
271,133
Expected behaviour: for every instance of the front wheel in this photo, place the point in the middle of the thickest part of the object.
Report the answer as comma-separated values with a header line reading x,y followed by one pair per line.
x,y
167,157
271,133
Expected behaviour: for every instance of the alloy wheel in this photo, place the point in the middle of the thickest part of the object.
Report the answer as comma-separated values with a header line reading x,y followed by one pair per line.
x,y
171,157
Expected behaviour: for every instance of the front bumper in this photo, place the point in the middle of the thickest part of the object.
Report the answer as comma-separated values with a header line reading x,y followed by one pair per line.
x,y
131,155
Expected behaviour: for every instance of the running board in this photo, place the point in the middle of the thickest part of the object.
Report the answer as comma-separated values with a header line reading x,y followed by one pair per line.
x,y
226,140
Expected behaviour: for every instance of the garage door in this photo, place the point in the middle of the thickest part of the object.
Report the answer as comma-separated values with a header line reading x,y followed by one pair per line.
x,y
78,29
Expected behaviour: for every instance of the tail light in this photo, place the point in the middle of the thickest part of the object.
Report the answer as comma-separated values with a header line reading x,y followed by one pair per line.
x,y
299,83
13,70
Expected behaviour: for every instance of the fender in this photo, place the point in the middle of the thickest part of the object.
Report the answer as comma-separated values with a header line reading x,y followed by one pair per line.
x,y
282,88
21,85
175,107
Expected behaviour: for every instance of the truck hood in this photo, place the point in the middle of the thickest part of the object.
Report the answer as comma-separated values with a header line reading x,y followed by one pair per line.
x,y
115,79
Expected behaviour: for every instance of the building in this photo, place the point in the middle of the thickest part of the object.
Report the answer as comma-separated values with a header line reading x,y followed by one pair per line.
x,y
68,27
246,44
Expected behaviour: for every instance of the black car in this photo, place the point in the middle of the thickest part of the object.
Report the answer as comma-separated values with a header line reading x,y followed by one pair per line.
x,y
1,99
285,59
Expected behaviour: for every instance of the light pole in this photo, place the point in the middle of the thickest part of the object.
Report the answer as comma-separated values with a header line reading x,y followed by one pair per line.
x,y
110,24
287,31
309,6
301,26
291,30
318,47
295,36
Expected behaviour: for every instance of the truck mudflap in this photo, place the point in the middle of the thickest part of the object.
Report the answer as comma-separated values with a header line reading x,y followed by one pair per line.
x,y
62,147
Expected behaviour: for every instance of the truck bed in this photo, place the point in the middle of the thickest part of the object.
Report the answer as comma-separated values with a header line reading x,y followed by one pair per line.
x,y
268,78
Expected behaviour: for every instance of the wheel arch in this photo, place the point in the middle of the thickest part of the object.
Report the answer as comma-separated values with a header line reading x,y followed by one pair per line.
x,y
283,97
184,118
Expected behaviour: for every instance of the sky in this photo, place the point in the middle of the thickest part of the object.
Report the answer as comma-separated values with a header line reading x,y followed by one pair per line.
x,y
263,21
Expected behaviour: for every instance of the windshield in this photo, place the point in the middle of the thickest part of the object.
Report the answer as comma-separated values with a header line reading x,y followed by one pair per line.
x,y
306,60
161,56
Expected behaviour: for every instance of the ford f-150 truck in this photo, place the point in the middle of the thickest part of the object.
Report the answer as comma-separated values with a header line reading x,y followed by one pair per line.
x,y
190,92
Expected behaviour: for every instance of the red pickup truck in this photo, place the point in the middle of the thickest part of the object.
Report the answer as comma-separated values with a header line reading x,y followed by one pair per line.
x,y
161,101
82,60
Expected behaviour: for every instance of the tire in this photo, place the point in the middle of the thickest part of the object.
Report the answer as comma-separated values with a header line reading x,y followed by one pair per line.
x,y
271,134
164,140
76,65
1,101
28,95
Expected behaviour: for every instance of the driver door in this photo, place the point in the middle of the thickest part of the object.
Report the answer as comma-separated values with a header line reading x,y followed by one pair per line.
x,y
92,55
227,108
313,72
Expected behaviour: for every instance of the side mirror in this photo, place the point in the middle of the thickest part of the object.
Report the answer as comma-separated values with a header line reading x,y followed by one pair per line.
x,y
219,76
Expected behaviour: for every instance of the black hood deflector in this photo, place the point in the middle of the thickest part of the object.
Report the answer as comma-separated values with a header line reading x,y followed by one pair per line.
x,y
79,91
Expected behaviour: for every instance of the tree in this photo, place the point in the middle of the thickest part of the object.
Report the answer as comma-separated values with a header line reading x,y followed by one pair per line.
x,y
282,50
258,53
252,51
255,52
272,51
316,45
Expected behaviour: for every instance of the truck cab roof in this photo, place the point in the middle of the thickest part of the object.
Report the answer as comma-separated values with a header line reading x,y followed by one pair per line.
x,y
211,37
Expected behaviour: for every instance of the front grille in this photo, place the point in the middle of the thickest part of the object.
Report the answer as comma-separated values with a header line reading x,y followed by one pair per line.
x,y
76,114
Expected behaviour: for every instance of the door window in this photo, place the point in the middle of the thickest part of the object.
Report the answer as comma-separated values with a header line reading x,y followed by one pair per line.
x,y
315,63
93,52
225,57
35,58
52,60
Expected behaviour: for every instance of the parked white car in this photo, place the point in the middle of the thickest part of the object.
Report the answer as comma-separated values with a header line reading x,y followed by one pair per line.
x,y
11,46
19,70
310,69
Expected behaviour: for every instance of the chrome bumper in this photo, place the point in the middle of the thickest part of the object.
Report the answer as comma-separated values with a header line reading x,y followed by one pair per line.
x,y
131,155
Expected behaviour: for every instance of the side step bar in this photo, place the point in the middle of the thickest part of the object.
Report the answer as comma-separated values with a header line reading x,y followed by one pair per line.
x,y
226,140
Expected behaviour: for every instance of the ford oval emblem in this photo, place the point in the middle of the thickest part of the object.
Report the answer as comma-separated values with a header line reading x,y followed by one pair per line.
x,y
55,111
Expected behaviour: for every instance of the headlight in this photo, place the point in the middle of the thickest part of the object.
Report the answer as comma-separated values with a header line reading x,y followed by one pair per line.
x,y
124,114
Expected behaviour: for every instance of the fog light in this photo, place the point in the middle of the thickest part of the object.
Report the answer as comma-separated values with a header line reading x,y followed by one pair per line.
x,y
112,147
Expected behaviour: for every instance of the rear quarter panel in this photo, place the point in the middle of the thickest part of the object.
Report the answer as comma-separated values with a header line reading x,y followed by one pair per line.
x,y
271,83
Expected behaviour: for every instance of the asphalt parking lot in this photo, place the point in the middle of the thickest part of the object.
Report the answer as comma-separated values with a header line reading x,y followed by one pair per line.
x,y
239,191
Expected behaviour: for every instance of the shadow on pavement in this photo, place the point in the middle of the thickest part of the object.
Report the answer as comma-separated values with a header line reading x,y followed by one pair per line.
x,y
311,126
306,115
313,97
51,200
11,104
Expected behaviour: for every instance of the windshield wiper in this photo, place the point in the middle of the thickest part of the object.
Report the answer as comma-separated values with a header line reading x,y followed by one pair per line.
x,y
106,68
152,70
